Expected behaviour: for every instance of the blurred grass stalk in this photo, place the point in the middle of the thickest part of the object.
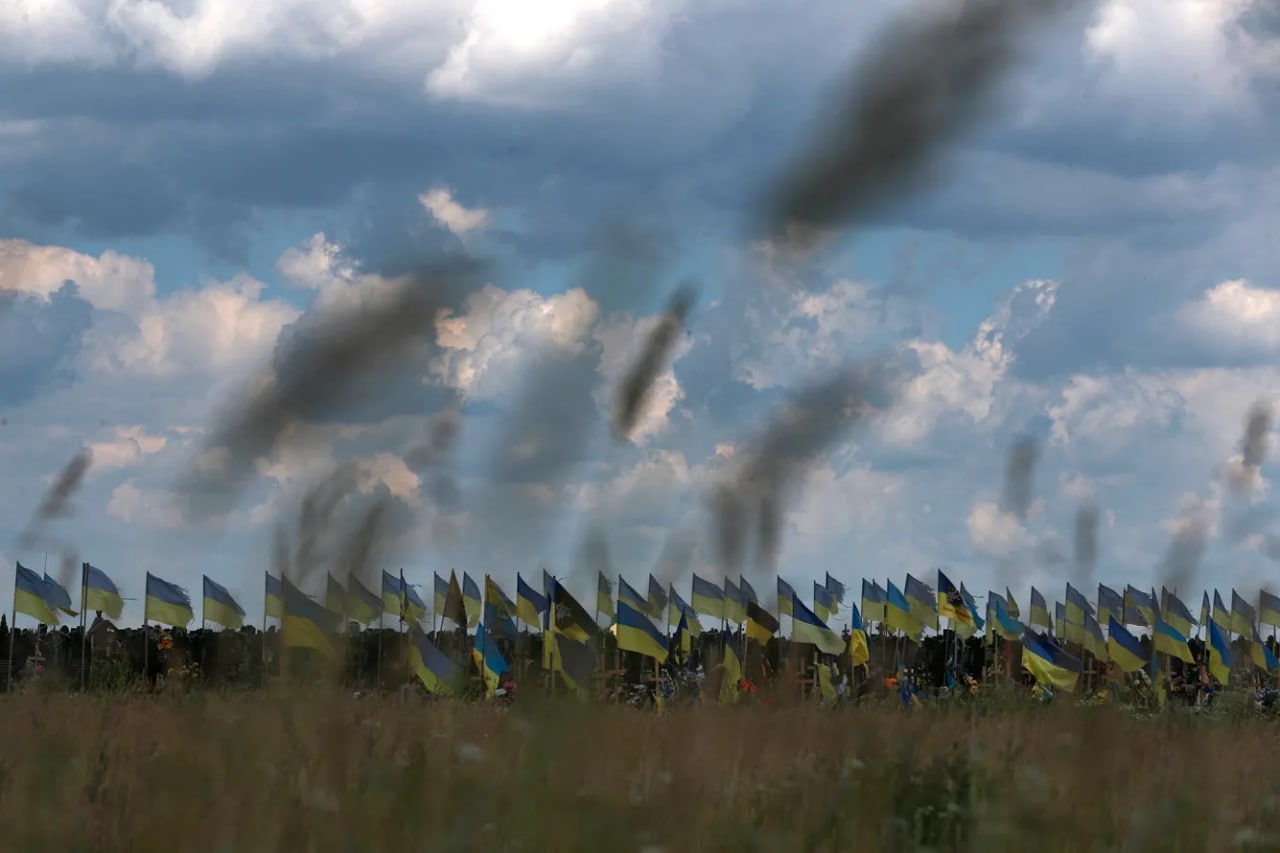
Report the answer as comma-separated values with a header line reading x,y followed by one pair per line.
x,y
318,771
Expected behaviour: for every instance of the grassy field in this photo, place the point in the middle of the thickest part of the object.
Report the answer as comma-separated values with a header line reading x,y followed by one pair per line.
x,y
323,772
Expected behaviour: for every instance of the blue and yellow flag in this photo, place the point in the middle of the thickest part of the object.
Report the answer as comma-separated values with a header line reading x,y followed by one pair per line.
x,y
32,596
806,627
273,600
439,593
823,603
1003,623
1039,611
785,594
59,596
1221,614
637,634
220,606
897,613
530,604
1139,607
923,602
392,593
499,611
604,595
1263,658
978,622
99,594
307,624
859,653
1243,616
1059,626
1168,640
683,640
415,609
678,608
1094,642
707,598
1049,663
657,600
438,674
1176,613
1268,608
836,589
748,592
1124,648
362,605
1220,659
1010,605
489,660
735,603
1077,606
166,603
629,594
951,603
471,601
335,597
873,599
1110,603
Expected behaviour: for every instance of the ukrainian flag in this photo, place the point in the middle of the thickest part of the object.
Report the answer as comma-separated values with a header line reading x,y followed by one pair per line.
x,y
392,593
32,596
362,605
732,675
1268,608
439,592
437,673
678,609
1176,613
1243,616
471,600
637,634
1049,663
1039,611
923,601
761,624
98,593
1077,606
836,589
166,603
735,603
1094,642
873,599
823,603
657,601
785,594
1168,640
220,606
307,624
59,596
1219,654
684,639
530,604
1221,614
1060,621
1124,648
604,595
335,597
806,627
1263,659
273,603
1110,603
489,660
1010,604
1139,608
951,603
628,593
499,611
1003,623
748,592
897,613
859,653
707,598
978,622
414,607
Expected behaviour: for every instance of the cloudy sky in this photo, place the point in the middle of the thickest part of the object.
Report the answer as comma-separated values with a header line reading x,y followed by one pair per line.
x,y
190,190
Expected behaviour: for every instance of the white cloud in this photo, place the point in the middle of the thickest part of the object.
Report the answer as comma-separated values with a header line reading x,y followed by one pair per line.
x,y
486,345
127,447
1235,317
995,532
145,508
440,203
111,281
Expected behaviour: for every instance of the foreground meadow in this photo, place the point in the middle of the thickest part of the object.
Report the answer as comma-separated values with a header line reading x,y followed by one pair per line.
x,y
322,772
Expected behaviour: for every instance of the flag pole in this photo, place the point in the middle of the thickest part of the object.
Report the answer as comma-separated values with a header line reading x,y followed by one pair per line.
x,y
8,673
84,632
146,642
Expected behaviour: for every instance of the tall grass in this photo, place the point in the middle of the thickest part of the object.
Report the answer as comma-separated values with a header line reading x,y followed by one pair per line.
x,y
322,772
